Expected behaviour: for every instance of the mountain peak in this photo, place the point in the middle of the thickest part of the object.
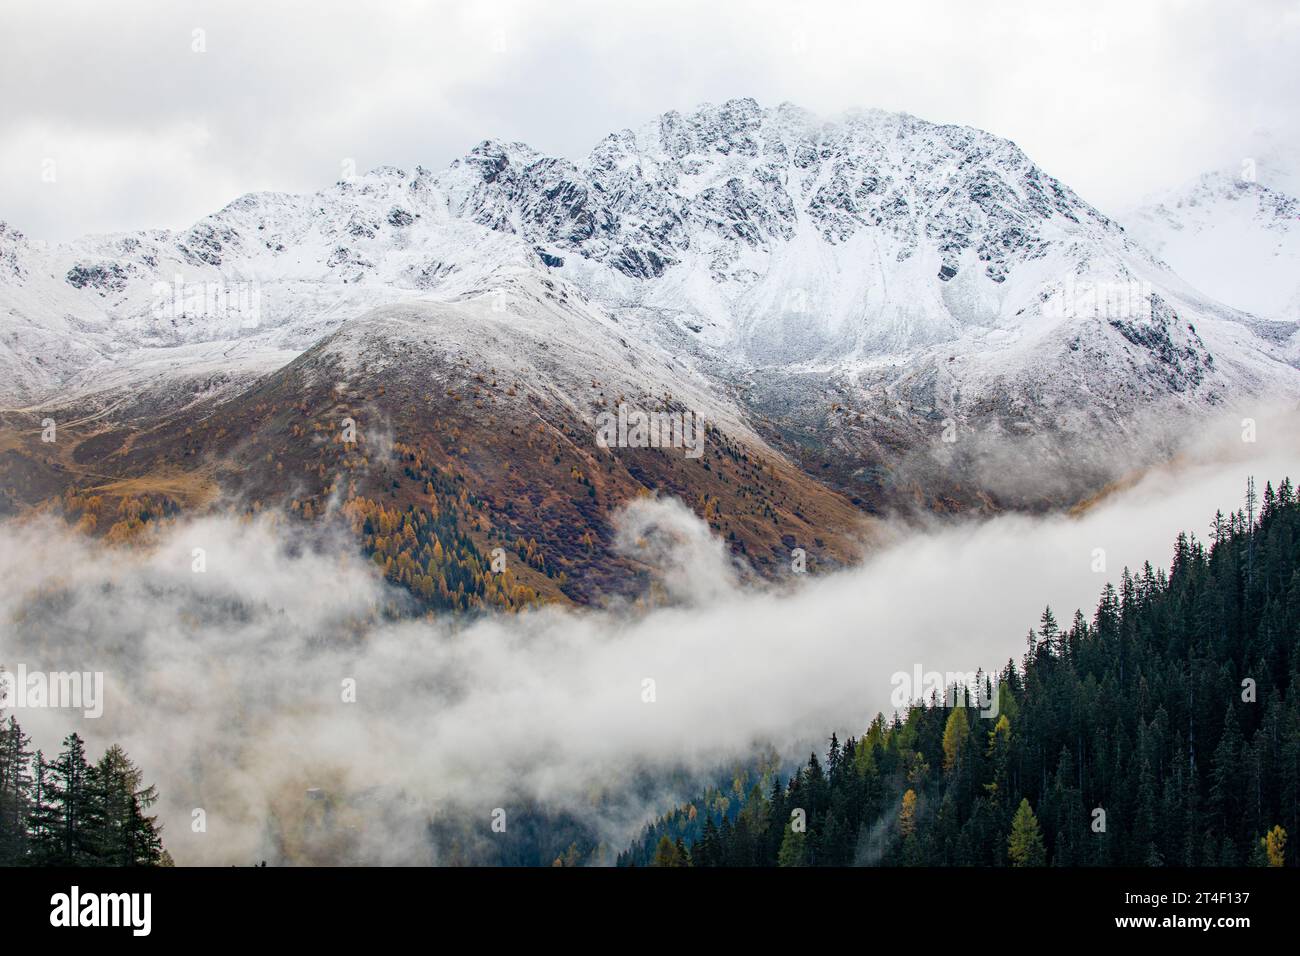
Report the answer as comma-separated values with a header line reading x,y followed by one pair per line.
x,y
764,234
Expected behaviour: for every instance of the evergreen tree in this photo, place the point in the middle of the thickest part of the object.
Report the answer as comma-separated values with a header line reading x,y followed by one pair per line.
x,y
665,852
15,793
77,800
1025,845
127,837
794,848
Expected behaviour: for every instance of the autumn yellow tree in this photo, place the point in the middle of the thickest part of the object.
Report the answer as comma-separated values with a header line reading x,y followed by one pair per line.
x,y
907,815
1275,846
955,732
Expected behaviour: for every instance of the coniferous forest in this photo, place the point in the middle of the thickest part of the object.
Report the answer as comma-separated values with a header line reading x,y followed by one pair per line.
x,y
71,812
1162,731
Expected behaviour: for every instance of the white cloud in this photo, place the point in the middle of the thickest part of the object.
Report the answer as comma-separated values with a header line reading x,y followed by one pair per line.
x,y
1117,99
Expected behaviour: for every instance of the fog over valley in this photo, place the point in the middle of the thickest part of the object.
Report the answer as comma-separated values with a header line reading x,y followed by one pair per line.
x,y
288,677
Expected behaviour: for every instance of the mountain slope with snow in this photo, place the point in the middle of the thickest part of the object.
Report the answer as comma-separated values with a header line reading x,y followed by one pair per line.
x,y
1237,238
842,288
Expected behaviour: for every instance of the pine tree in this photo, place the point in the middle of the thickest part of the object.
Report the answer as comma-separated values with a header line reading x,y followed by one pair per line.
x,y
1048,629
15,793
955,732
43,829
794,848
907,814
680,856
705,850
665,853
77,800
999,754
1025,845
1225,773
127,836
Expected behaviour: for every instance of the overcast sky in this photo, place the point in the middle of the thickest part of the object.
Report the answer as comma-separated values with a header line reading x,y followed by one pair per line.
x,y
137,129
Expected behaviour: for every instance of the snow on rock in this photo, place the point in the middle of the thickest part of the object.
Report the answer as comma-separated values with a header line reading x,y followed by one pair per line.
x,y
937,264
1237,238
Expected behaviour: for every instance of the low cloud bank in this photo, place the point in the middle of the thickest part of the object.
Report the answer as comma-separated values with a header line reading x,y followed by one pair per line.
x,y
232,687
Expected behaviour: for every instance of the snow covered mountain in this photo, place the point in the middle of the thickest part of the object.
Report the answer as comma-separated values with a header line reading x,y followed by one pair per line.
x,y
838,290
1238,237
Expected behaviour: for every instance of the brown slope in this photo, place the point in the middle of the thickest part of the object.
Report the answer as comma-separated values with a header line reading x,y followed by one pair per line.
x,y
521,456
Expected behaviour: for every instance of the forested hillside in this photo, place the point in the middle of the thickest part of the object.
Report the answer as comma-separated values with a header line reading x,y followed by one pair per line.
x,y
1163,731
